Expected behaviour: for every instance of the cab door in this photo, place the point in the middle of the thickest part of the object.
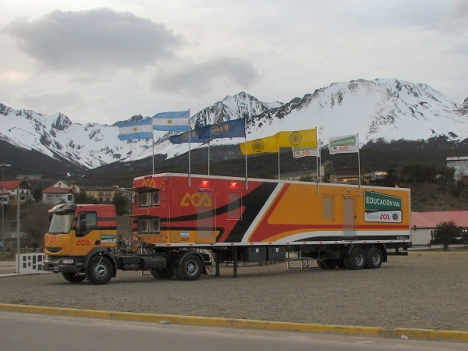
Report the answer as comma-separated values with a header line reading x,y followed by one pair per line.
x,y
86,235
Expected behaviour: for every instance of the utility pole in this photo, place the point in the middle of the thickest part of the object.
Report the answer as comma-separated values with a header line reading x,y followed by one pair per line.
x,y
3,165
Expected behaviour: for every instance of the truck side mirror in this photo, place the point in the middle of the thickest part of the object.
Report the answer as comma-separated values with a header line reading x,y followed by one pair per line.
x,y
82,228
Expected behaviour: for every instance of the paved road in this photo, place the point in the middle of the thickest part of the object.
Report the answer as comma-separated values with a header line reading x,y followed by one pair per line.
x,y
21,332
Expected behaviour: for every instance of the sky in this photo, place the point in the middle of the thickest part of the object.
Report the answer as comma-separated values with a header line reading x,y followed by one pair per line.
x,y
103,61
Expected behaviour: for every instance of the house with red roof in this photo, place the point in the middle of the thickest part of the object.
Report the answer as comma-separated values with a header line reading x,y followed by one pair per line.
x,y
12,190
423,224
61,192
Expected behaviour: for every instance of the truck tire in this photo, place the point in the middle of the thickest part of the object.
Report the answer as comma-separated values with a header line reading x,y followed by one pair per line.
x,y
73,277
374,258
327,264
99,270
190,268
163,273
357,259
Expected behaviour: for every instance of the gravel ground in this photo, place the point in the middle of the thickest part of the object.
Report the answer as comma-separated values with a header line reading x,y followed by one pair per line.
x,y
423,290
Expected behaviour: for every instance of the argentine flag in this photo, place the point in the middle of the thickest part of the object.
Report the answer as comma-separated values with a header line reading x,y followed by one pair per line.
x,y
136,130
176,121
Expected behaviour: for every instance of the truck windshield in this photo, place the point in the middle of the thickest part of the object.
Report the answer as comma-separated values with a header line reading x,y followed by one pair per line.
x,y
61,223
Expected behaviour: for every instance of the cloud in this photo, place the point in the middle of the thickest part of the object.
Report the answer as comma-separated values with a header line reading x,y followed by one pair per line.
x,y
93,40
457,20
202,78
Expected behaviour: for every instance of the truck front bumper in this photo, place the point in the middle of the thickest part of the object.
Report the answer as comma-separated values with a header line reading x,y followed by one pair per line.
x,y
62,265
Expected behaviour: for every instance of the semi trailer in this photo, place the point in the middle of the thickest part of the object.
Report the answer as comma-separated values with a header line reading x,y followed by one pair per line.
x,y
182,224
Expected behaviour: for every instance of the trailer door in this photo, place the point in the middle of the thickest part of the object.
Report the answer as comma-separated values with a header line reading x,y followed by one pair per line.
x,y
174,211
349,218
206,217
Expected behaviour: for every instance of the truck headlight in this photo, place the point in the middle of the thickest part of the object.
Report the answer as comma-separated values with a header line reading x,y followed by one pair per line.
x,y
68,261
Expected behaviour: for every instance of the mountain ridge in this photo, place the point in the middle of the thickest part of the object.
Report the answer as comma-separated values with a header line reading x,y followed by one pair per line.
x,y
387,109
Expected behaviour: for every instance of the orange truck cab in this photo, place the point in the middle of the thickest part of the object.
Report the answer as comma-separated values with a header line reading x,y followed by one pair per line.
x,y
81,244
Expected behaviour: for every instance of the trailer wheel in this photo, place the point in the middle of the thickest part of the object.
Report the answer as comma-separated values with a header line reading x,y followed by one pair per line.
x,y
176,272
327,264
357,259
190,268
343,262
99,270
374,258
73,277
165,273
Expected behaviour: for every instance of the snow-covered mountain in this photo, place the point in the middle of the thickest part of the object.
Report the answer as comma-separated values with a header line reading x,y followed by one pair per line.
x,y
382,108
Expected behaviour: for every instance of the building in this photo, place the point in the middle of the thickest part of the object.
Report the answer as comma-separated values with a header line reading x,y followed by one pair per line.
x,y
460,164
12,190
423,224
347,175
374,177
101,193
63,191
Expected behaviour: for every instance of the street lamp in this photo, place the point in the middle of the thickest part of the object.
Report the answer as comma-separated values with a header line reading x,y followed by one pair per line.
x,y
3,165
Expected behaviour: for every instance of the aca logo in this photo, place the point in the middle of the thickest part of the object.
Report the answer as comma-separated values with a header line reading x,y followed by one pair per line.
x,y
196,200
149,182
83,243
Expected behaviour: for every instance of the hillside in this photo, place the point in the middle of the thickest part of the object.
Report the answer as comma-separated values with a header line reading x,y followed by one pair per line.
x,y
435,197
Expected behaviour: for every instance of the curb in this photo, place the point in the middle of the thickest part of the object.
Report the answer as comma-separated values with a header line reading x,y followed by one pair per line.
x,y
244,323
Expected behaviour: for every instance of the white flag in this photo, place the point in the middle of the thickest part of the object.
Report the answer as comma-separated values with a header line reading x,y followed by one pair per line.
x,y
343,144
299,152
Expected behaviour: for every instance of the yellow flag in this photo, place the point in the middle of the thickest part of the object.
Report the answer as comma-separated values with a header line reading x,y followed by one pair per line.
x,y
258,146
298,138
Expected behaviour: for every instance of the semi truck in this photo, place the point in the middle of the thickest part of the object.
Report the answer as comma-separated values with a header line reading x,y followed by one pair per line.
x,y
183,224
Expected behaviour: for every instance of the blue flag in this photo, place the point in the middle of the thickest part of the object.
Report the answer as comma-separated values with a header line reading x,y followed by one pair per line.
x,y
231,129
136,130
184,138
172,121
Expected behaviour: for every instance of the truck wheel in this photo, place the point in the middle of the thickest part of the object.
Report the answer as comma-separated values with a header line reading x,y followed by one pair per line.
x,y
73,277
165,273
327,264
99,270
357,259
190,268
374,258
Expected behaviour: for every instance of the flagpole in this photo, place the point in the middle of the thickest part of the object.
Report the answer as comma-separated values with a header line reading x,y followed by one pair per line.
x,y
209,143
279,163
359,163
318,163
189,150
245,144
153,149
